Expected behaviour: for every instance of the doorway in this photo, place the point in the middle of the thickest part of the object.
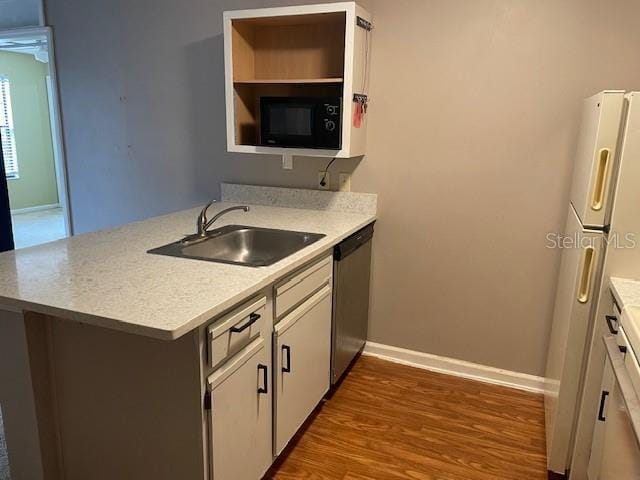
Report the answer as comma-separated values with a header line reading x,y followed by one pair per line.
x,y
31,141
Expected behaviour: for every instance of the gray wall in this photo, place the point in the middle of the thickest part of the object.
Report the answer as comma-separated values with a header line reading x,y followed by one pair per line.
x,y
143,108
475,108
19,13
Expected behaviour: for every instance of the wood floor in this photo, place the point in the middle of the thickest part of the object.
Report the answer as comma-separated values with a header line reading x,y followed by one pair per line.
x,y
392,422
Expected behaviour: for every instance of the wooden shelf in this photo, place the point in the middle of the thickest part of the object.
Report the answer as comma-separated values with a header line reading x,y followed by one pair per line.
x,y
299,46
290,80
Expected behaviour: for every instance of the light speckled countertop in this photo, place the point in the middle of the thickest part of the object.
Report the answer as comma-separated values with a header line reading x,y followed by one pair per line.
x,y
627,295
107,279
625,291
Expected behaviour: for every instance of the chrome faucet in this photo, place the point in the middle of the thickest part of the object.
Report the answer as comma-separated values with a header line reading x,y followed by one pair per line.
x,y
203,223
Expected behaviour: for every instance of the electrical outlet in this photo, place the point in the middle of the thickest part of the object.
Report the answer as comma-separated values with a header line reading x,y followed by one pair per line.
x,y
344,182
326,176
287,162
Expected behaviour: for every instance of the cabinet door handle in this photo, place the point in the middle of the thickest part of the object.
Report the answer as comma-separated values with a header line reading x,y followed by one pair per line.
x,y
603,399
253,318
265,379
610,319
287,352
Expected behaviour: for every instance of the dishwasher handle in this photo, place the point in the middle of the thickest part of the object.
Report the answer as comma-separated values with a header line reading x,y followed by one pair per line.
x,y
352,243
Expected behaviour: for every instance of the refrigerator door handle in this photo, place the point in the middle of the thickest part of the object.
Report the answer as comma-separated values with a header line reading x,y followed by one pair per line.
x,y
597,199
585,277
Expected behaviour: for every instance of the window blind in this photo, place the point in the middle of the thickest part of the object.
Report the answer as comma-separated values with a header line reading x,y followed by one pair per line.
x,y
6,130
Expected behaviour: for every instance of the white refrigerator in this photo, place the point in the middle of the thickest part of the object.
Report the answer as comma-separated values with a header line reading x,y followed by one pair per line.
x,y
621,259
583,246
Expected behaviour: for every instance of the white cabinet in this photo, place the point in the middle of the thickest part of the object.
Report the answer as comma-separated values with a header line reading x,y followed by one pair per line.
x,y
608,385
307,51
615,452
266,380
241,415
302,351
620,454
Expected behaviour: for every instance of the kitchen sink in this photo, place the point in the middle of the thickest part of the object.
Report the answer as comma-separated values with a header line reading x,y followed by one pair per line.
x,y
241,245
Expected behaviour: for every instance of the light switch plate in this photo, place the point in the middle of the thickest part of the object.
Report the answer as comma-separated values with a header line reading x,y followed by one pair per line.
x,y
327,180
344,182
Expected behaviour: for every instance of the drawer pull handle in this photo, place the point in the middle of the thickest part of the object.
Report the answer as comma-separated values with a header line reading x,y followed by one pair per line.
x,y
253,318
265,379
603,399
287,351
610,319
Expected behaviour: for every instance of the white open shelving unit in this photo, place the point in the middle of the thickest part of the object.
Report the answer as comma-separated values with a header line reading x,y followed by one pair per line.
x,y
311,50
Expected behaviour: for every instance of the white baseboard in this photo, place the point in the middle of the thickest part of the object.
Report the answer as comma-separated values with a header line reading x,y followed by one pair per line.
x,y
457,368
37,208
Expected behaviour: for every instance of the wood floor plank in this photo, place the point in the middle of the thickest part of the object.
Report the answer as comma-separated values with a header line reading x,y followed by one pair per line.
x,y
393,422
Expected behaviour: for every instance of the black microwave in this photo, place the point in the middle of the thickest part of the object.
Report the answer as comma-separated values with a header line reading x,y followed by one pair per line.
x,y
301,122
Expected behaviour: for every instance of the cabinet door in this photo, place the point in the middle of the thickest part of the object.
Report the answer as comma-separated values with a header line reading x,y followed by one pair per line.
x,y
302,342
620,453
617,455
608,384
241,415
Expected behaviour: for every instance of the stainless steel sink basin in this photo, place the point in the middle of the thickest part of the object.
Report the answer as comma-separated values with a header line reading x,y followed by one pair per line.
x,y
251,246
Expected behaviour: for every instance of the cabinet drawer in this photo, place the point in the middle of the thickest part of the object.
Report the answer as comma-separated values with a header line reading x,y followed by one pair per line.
x,y
630,360
296,289
236,330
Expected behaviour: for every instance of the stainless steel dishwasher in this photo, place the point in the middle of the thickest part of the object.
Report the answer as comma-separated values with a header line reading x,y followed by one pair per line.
x,y
351,278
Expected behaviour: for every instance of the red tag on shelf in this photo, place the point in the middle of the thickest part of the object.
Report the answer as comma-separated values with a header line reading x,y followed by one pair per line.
x,y
357,114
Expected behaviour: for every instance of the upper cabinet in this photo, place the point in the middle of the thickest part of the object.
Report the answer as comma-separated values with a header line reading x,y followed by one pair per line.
x,y
296,79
